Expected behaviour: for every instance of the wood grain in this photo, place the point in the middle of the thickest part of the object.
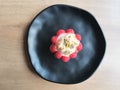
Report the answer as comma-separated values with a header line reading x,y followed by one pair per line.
x,y
15,70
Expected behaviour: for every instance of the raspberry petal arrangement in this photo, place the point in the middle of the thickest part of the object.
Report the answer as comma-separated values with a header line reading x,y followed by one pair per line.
x,y
72,47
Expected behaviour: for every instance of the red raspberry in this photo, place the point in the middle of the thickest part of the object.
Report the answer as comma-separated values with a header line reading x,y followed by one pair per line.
x,y
60,31
58,55
79,48
69,31
73,55
78,36
65,59
54,39
52,48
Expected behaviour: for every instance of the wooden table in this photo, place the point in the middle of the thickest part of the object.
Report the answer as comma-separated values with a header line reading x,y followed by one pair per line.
x,y
15,71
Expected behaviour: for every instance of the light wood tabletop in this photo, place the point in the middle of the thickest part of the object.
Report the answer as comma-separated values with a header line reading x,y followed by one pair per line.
x,y
15,70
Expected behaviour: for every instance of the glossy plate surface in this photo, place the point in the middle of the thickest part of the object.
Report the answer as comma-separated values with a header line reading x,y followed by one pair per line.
x,y
45,25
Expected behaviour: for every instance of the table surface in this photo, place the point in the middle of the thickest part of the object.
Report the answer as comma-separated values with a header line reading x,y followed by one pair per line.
x,y
15,70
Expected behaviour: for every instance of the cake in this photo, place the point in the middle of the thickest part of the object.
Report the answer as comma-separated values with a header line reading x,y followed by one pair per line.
x,y
66,44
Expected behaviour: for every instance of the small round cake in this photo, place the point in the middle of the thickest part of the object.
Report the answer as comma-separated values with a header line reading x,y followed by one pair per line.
x,y
65,44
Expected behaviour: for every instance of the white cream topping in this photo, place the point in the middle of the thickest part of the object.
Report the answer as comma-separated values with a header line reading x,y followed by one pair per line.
x,y
67,43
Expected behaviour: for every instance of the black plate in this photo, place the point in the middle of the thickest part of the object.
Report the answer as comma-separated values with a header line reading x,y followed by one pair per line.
x,y
45,25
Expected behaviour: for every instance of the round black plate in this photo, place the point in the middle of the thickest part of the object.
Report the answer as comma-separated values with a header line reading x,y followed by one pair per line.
x,y
45,25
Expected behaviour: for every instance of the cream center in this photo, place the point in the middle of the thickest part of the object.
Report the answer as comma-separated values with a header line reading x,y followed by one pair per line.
x,y
67,43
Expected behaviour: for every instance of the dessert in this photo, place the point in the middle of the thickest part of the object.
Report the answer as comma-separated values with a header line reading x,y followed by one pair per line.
x,y
65,44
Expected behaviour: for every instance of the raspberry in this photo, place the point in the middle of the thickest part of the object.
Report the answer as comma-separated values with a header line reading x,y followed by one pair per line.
x,y
65,59
78,36
52,48
69,31
73,55
60,31
79,48
54,39
58,55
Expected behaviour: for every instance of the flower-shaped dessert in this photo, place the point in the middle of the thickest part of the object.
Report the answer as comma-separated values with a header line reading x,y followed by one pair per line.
x,y
65,44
